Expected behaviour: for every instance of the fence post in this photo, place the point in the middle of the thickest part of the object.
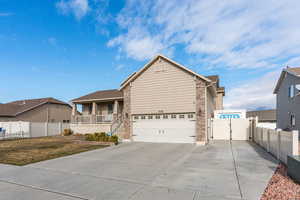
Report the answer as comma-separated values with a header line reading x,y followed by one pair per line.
x,y
295,139
278,144
268,140
29,129
46,128
60,128
262,137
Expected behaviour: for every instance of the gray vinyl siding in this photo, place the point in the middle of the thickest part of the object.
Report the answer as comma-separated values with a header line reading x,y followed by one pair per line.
x,y
163,87
286,105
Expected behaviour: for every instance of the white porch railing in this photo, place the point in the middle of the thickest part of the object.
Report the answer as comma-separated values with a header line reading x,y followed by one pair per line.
x,y
104,118
92,119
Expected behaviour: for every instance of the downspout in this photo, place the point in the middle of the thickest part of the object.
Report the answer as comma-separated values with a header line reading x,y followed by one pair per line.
x,y
206,108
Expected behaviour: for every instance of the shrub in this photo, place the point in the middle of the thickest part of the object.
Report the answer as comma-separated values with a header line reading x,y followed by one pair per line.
x,y
89,137
114,139
67,132
102,137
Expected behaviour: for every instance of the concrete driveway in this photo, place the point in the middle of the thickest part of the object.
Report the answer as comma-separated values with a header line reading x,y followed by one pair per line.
x,y
145,171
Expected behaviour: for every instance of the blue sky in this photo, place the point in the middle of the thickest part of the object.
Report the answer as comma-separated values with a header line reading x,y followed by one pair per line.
x,y
68,48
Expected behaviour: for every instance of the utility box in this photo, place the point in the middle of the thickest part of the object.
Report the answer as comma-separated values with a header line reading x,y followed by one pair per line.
x,y
293,167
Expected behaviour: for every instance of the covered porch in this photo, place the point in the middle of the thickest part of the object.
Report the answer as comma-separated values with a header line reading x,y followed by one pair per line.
x,y
98,110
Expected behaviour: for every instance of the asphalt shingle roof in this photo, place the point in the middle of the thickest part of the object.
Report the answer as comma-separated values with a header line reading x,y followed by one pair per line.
x,y
102,94
15,107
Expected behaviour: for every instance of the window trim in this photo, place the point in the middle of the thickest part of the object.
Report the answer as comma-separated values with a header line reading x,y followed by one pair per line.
x,y
181,116
291,91
293,120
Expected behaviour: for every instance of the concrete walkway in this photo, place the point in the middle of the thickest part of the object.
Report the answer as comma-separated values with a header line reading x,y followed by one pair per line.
x,y
145,171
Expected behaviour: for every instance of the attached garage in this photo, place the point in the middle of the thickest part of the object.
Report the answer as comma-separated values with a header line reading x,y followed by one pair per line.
x,y
168,103
165,128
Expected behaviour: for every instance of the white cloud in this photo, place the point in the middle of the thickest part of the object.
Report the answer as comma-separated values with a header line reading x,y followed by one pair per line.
x,y
253,94
79,8
235,34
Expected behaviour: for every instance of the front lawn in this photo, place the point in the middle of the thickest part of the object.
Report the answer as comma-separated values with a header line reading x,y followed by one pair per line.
x,y
31,150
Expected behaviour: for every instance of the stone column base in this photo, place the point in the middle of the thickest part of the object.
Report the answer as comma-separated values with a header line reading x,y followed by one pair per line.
x,y
126,140
201,143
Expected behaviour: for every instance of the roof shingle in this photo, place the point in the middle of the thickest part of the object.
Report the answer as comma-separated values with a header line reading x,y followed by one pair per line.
x,y
295,70
16,107
100,95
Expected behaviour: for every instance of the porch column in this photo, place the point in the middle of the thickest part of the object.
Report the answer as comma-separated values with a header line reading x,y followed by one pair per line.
x,y
74,109
93,118
94,105
115,111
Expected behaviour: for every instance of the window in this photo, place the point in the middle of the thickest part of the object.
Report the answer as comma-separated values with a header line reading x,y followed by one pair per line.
x,y
190,116
150,117
291,91
136,117
173,116
66,121
165,116
181,116
110,108
293,120
157,116
143,117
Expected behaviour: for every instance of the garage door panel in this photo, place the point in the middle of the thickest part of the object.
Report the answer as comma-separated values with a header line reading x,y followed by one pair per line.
x,y
164,130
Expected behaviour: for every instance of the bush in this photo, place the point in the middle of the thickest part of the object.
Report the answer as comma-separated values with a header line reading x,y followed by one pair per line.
x,y
89,137
67,132
114,139
102,137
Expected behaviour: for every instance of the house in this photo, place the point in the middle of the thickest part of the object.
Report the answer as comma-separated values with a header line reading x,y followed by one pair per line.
x,y
162,102
36,110
264,116
288,99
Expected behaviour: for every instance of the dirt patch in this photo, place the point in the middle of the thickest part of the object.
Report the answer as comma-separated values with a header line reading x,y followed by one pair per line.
x,y
281,187
30,150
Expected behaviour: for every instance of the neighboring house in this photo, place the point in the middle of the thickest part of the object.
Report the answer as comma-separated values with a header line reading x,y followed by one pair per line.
x,y
266,118
36,110
288,99
263,116
162,102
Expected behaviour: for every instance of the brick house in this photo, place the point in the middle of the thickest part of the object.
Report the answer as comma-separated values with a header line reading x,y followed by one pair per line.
x,y
162,102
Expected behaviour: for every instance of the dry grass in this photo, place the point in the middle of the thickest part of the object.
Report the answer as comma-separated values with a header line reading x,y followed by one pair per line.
x,y
25,151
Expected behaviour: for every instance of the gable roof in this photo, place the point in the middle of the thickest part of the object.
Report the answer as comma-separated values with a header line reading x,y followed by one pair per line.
x,y
100,95
213,78
295,71
15,108
135,75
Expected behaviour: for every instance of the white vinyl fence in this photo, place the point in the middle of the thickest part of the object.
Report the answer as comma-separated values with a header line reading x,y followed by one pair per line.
x,y
30,129
279,143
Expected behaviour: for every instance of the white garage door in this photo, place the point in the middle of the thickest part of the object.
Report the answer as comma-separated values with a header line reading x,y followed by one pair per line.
x,y
175,128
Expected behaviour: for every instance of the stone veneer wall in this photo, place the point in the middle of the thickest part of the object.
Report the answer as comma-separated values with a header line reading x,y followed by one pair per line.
x,y
90,128
200,111
127,112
